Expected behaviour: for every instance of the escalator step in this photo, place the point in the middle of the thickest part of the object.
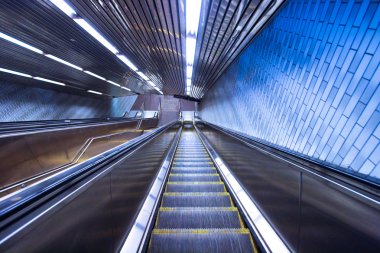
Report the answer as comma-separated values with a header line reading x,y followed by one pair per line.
x,y
195,187
192,163
194,170
195,159
196,201
202,241
198,218
194,177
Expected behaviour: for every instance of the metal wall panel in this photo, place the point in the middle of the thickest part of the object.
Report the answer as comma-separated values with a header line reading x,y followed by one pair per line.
x,y
96,217
312,213
309,83
22,103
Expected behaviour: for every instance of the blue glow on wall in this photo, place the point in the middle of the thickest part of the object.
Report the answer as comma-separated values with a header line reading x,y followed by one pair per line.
x,y
26,103
309,83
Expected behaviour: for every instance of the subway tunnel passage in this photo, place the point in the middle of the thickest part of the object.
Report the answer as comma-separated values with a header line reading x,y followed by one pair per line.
x,y
189,126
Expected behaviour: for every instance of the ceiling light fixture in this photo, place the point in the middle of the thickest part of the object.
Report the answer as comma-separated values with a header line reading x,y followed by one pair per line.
x,y
63,6
63,61
15,72
68,10
95,75
88,28
193,10
125,88
118,85
143,76
48,81
95,92
20,43
30,76
127,62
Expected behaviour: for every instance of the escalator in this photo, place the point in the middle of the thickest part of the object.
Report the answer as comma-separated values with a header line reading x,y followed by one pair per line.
x,y
197,213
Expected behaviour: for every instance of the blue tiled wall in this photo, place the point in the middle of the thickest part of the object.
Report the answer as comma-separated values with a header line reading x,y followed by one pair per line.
x,y
309,83
24,103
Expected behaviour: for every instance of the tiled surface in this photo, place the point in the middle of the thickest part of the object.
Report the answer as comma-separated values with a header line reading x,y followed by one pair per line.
x,y
22,103
309,83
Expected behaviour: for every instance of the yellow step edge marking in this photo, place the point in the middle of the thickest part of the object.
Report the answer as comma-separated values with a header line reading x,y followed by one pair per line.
x,y
193,174
171,209
193,162
197,194
187,168
200,231
197,182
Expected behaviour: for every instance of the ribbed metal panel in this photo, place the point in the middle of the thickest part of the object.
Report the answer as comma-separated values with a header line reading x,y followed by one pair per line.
x,y
150,33
227,27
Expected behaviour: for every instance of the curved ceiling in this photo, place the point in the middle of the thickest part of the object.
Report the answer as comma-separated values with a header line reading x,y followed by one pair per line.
x,y
151,33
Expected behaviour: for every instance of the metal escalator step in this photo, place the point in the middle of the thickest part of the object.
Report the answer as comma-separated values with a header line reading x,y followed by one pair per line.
x,y
198,218
194,163
194,177
192,155
192,159
194,170
196,201
202,241
195,187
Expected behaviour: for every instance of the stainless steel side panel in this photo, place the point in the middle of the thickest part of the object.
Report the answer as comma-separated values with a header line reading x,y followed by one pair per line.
x,y
310,211
95,216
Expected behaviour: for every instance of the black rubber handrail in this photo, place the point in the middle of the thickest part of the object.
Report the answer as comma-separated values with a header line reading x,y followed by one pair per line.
x,y
62,125
353,180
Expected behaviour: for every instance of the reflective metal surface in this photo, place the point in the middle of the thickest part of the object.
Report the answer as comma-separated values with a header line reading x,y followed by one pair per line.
x,y
226,28
150,33
312,211
263,230
28,154
98,213
39,24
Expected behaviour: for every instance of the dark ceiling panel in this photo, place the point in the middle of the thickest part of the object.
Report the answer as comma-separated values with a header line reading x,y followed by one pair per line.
x,y
226,28
151,33
39,24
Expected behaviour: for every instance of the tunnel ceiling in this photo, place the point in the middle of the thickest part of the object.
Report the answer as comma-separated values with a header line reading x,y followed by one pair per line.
x,y
150,33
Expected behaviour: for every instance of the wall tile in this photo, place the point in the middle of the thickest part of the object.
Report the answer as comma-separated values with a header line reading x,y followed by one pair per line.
x,y
309,84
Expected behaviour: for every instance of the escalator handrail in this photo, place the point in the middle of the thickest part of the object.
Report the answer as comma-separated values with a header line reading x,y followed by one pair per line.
x,y
360,184
137,241
265,233
13,203
21,130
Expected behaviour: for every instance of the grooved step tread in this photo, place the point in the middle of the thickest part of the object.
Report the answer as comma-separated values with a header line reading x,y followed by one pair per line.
x,y
196,201
201,241
198,219
197,213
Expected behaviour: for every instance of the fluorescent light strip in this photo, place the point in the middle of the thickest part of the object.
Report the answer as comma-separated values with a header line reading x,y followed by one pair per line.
x,y
95,92
125,88
15,72
20,43
95,75
30,76
49,81
63,6
63,61
88,28
193,10
124,59
66,8
152,84
118,85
